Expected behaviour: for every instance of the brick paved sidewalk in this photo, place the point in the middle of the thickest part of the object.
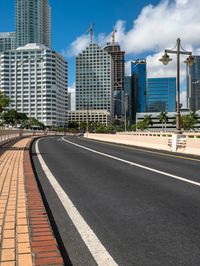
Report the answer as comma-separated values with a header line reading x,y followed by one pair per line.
x,y
26,237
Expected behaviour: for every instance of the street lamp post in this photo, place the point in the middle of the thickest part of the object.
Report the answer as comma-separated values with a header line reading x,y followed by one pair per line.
x,y
178,50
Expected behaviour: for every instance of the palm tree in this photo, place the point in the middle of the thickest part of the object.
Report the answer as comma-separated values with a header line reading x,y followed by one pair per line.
x,y
194,116
148,120
163,118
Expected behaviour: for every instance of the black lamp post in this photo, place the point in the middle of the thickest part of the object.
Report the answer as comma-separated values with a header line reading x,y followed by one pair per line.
x,y
178,50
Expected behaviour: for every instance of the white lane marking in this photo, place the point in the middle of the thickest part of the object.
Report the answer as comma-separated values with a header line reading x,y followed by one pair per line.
x,y
98,251
135,164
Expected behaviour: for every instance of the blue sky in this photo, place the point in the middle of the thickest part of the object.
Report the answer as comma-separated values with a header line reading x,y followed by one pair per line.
x,y
71,19
145,28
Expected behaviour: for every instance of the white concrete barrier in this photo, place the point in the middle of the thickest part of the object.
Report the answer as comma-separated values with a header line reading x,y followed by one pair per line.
x,y
149,141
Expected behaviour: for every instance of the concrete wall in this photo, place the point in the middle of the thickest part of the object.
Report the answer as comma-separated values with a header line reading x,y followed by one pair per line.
x,y
160,143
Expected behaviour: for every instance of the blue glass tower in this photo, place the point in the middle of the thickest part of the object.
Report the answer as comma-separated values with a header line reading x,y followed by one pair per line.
x,y
193,88
161,95
139,76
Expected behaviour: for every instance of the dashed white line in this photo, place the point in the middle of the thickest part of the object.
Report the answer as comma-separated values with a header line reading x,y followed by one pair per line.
x,y
96,248
134,164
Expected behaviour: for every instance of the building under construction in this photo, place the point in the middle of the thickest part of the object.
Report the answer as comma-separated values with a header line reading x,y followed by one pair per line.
x,y
114,49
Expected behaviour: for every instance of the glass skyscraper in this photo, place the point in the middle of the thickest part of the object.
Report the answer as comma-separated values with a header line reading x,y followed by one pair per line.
x,y
129,97
161,95
33,23
193,88
139,76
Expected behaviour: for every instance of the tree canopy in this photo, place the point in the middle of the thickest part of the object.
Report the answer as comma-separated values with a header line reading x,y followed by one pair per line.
x,y
4,101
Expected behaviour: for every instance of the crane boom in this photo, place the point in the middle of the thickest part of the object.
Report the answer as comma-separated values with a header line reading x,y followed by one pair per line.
x,y
91,31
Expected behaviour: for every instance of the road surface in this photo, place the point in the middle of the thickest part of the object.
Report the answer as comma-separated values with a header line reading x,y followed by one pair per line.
x,y
119,205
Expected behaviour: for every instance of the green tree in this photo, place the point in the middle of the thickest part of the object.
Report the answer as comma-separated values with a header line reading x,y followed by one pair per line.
x,y
148,120
133,127
11,117
163,118
33,123
73,125
4,101
142,125
194,116
188,122
101,128
83,126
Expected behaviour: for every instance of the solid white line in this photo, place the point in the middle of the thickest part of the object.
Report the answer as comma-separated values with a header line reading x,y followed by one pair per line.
x,y
98,251
135,164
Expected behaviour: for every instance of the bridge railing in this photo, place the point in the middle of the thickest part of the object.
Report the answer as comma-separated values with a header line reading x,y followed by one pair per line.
x,y
7,135
167,134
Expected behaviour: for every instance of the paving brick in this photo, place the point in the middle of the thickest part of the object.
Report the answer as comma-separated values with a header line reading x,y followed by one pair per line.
x,y
22,221
9,233
8,243
23,248
46,261
47,254
23,238
25,260
43,243
44,248
9,225
8,254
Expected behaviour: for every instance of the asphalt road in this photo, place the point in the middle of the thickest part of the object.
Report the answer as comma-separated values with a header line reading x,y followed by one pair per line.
x,y
140,216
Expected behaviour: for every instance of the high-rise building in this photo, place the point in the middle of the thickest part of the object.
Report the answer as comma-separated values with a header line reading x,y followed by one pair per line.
x,y
35,79
7,41
94,79
161,95
33,22
69,96
139,76
118,65
129,97
193,86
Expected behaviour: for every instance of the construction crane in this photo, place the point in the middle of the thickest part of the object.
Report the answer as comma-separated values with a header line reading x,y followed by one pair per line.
x,y
91,31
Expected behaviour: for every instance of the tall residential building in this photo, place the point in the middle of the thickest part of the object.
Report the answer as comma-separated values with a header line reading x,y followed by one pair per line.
x,y
161,95
35,79
94,79
193,88
118,65
33,22
7,41
139,75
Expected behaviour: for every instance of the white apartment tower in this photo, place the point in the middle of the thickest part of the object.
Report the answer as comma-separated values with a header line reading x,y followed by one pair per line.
x,y
33,22
35,79
7,41
94,79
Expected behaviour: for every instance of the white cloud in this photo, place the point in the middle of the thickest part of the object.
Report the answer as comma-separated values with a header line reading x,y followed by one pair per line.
x,y
156,69
82,42
77,46
157,27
